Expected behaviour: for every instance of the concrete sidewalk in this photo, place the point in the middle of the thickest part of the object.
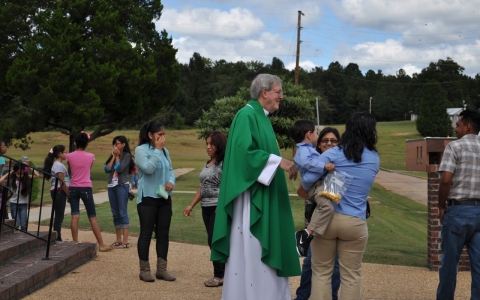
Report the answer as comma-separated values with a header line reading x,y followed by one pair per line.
x,y
412,187
98,198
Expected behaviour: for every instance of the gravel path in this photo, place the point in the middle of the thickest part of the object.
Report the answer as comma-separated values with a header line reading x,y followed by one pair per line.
x,y
114,275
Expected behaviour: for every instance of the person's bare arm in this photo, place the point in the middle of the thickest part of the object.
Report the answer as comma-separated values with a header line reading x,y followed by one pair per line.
x,y
188,210
443,191
64,186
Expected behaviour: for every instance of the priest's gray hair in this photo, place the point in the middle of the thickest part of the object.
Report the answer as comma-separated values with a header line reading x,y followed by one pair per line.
x,y
263,81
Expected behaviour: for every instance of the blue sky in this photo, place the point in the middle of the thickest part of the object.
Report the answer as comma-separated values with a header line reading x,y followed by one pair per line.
x,y
382,35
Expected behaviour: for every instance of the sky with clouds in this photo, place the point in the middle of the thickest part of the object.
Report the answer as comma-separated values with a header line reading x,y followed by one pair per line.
x,y
382,35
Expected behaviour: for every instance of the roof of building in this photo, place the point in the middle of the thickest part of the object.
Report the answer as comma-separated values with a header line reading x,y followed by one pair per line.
x,y
454,111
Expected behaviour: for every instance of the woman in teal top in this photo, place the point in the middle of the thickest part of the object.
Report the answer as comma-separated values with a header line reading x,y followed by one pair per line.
x,y
155,174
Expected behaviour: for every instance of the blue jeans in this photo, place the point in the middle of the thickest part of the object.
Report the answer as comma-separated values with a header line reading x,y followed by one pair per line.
x,y
84,193
19,213
305,288
118,198
134,181
60,203
461,226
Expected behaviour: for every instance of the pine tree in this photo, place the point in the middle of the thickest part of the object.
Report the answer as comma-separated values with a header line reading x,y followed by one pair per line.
x,y
433,120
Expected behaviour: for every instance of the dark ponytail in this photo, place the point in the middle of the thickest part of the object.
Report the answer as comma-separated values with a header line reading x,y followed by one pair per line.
x,y
50,159
150,127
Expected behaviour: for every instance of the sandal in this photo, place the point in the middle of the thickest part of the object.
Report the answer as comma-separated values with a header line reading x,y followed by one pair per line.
x,y
213,282
116,245
124,246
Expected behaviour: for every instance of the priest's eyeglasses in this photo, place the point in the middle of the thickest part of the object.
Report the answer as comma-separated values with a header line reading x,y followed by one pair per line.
x,y
280,92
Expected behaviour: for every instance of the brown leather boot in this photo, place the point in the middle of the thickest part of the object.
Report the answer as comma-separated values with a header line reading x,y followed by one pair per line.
x,y
162,270
145,274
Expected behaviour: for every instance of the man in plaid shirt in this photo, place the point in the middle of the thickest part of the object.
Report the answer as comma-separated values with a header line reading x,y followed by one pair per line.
x,y
460,188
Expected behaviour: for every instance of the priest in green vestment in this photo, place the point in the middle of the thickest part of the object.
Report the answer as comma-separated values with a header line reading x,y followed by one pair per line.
x,y
254,229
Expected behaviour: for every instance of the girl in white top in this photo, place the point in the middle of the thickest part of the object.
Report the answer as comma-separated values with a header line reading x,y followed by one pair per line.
x,y
59,191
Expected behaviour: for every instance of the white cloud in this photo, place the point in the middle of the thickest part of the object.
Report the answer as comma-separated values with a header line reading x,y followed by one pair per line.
x,y
391,55
235,23
375,34
262,48
306,65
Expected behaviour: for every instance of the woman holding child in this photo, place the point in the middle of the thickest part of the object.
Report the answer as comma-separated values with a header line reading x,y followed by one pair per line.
x,y
328,138
347,232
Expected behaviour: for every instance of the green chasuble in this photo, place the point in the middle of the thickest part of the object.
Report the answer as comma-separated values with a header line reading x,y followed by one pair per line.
x,y
251,140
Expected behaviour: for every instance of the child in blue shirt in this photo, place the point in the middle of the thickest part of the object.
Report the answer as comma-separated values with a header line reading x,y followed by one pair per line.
x,y
312,170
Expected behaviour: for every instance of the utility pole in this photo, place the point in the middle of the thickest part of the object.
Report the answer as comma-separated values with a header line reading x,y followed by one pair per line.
x,y
298,45
370,105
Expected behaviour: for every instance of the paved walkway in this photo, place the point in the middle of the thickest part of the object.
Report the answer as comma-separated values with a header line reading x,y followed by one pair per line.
x,y
115,274
98,198
412,187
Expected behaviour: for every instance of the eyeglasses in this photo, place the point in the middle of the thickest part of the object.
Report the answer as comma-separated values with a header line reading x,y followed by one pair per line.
x,y
325,141
118,143
280,92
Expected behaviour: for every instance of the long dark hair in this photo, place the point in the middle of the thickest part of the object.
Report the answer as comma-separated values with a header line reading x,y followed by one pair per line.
x,y
81,141
50,159
25,185
122,139
219,140
323,133
150,127
360,132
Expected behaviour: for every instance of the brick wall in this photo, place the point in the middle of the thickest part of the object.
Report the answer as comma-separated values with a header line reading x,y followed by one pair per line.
x,y
434,252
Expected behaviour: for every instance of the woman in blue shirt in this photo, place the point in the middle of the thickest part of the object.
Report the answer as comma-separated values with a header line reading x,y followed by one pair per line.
x,y
347,233
155,174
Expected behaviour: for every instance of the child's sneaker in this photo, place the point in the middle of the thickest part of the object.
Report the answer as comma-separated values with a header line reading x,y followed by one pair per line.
x,y
303,242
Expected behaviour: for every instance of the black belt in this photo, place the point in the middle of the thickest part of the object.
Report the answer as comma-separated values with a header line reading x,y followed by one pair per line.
x,y
472,202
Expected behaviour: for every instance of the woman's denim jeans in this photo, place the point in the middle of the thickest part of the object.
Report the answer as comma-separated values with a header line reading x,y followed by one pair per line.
x,y
118,198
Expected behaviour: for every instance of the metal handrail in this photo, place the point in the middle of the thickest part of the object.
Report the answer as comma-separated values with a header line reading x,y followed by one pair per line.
x,y
30,170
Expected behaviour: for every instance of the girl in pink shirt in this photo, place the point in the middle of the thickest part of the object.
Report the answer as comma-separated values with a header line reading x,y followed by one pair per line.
x,y
80,163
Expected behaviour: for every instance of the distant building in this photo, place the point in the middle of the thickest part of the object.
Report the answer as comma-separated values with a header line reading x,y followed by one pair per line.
x,y
453,114
423,152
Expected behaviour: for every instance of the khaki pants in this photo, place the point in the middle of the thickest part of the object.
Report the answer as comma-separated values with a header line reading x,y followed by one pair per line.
x,y
347,236
323,211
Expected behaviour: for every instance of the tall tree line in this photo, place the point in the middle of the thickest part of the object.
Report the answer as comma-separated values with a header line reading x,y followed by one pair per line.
x,y
343,90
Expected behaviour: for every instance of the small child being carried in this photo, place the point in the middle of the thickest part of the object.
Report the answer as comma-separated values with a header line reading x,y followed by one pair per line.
x,y
312,170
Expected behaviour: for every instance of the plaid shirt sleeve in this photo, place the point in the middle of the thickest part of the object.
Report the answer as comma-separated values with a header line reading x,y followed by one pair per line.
x,y
449,160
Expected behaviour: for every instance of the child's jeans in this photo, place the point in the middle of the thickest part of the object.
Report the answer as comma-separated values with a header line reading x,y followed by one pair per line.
x,y
19,213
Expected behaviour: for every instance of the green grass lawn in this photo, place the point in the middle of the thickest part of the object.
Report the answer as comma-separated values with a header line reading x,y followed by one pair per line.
x,y
397,227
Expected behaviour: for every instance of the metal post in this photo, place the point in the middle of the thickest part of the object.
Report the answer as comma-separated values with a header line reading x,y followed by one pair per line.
x,y
318,117
370,105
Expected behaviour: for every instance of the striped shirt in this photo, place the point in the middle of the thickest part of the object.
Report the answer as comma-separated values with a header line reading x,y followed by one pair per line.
x,y
462,159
